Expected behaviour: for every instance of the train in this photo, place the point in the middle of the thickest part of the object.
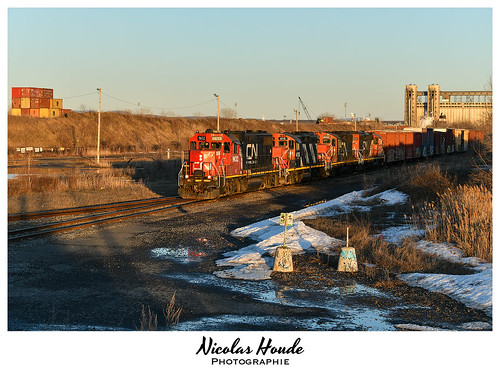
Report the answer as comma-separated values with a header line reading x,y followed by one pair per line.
x,y
223,163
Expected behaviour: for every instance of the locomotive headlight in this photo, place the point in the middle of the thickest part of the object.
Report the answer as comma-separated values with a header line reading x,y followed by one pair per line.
x,y
186,176
209,176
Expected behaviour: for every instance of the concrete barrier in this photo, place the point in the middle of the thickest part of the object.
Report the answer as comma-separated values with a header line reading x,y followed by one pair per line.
x,y
347,260
283,260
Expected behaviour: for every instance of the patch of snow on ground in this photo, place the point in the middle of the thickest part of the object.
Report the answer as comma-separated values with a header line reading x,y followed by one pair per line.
x,y
416,327
249,262
473,290
397,234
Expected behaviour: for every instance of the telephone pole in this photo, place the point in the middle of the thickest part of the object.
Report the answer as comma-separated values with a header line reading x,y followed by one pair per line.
x,y
296,120
217,96
345,111
99,126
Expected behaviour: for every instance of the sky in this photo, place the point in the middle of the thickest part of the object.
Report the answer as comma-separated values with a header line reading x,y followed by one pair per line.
x,y
173,60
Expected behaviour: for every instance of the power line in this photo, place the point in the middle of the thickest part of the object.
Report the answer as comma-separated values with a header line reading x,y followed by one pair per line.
x,y
71,97
156,107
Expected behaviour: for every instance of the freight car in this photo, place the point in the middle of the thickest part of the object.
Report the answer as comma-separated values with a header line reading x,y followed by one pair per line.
x,y
224,163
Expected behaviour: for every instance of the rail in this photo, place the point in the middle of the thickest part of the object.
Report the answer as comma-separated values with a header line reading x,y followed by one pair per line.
x,y
96,219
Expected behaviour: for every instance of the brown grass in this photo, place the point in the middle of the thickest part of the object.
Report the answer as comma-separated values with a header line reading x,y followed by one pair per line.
x,y
80,181
126,132
374,250
149,319
463,215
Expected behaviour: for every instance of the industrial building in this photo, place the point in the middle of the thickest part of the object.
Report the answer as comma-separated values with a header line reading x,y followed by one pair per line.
x,y
449,106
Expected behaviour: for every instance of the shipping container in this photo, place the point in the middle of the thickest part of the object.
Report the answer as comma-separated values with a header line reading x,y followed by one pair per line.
x,y
16,92
47,93
25,103
54,113
44,103
25,92
36,92
44,113
34,113
65,112
16,103
16,112
25,112
56,103
35,103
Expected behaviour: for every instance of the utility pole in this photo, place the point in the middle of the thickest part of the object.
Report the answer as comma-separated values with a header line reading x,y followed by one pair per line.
x,y
345,111
217,96
99,126
296,120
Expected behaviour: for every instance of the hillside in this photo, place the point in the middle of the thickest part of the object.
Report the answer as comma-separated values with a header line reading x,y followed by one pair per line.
x,y
128,132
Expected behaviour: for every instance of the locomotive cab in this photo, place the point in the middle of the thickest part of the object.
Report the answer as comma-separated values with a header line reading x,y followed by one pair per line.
x,y
213,156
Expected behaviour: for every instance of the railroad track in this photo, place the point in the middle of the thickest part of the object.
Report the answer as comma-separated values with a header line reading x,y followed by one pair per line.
x,y
105,214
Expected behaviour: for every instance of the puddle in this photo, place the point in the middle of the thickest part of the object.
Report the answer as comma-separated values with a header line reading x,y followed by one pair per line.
x,y
15,325
338,304
181,255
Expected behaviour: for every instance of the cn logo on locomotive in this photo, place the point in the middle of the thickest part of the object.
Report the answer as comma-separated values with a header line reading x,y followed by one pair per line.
x,y
252,153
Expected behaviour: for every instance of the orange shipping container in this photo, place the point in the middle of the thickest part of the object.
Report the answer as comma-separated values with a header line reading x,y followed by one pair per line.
x,y
16,112
44,113
54,113
16,103
35,103
56,104
44,103
25,112
25,102
34,113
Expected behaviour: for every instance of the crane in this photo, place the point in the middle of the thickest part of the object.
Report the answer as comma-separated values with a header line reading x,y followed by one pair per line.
x,y
305,109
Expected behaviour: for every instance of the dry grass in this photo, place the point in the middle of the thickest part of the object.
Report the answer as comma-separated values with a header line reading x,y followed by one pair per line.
x,y
171,313
149,319
374,250
126,132
463,215
70,182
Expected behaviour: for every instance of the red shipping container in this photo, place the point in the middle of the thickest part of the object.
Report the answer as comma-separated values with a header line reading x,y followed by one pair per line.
x,y
16,92
44,103
65,111
25,92
34,113
47,93
36,92
35,103
16,103
25,112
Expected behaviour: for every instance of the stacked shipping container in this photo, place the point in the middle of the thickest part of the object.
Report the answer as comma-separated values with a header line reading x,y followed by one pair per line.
x,y
36,102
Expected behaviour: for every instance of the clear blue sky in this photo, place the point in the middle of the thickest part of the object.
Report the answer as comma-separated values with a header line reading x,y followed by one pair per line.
x,y
261,59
